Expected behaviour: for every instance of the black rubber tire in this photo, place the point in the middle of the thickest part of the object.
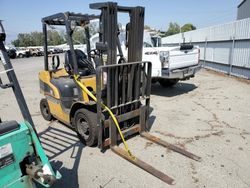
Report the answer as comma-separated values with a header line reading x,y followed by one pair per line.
x,y
89,136
20,55
45,111
168,83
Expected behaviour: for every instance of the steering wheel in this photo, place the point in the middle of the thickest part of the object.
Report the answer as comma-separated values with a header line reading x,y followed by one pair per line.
x,y
93,53
122,60
55,64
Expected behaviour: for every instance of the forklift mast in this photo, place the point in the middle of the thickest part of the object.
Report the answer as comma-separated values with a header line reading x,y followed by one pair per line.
x,y
108,35
128,82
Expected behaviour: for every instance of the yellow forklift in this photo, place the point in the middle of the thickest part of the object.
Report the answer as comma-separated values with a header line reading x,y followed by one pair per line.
x,y
102,95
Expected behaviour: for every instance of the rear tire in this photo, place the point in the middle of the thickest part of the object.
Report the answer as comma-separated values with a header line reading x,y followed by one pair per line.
x,y
85,122
20,55
45,111
168,83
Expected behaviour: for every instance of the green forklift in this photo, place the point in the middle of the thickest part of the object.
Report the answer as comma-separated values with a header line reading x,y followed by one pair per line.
x,y
23,162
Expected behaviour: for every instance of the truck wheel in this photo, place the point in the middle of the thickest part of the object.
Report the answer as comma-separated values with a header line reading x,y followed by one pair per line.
x,y
45,111
168,83
86,126
20,55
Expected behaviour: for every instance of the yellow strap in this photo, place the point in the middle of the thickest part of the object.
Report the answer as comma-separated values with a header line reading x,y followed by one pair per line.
x,y
85,89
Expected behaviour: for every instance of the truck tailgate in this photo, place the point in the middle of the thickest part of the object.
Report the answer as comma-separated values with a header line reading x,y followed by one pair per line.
x,y
183,58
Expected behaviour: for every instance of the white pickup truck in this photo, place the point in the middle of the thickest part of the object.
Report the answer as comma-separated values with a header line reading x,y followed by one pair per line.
x,y
171,64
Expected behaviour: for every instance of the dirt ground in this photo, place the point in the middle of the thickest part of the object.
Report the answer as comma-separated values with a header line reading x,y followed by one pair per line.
x,y
207,115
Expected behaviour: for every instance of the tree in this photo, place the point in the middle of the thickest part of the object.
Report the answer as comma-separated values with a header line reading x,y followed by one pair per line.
x,y
146,27
23,39
79,36
37,38
54,38
187,27
173,28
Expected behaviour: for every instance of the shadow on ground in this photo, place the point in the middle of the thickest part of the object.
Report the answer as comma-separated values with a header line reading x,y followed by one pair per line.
x,y
179,89
55,142
151,119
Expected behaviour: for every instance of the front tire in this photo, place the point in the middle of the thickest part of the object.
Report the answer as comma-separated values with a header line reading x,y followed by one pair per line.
x,y
45,111
168,83
85,122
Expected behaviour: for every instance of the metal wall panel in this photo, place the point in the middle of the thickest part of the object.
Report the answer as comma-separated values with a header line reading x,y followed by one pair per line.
x,y
201,46
236,71
241,54
242,29
220,52
222,32
239,29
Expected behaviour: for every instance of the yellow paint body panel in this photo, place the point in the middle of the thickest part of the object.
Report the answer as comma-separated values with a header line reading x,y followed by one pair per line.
x,y
57,111
45,76
89,82
53,95
59,73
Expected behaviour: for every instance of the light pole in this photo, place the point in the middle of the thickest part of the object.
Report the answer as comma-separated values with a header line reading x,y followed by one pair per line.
x,y
182,36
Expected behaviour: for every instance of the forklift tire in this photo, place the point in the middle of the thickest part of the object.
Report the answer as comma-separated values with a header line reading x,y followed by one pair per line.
x,y
168,83
45,111
86,126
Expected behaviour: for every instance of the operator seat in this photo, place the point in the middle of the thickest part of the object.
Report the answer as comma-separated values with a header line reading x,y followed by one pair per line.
x,y
85,66
66,85
8,126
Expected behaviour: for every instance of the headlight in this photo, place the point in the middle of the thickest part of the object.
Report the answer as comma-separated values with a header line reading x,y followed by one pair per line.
x,y
164,58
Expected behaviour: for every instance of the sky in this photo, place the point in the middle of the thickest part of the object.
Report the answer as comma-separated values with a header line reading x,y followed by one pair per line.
x,y
25,16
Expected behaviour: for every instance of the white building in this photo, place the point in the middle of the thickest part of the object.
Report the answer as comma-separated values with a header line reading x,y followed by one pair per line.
x,y
243,10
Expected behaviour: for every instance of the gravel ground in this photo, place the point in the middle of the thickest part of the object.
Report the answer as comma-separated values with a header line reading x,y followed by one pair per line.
x,y
207,115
